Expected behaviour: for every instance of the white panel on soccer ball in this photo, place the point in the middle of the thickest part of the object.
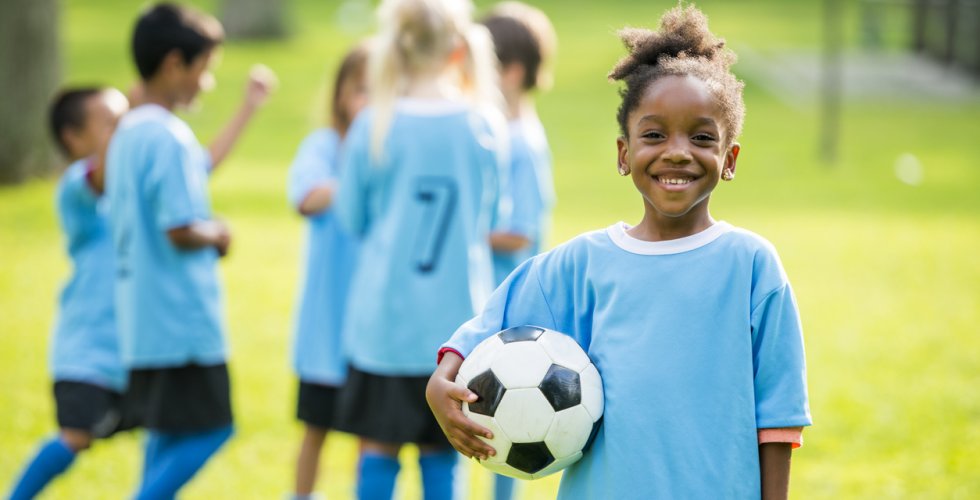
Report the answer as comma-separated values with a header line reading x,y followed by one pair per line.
x,y
500,441
569,432
558,465
461,380
520,365
524,414
592,391
563,350
479,360
502,468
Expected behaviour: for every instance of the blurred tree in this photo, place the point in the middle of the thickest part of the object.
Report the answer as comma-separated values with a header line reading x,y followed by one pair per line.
x,y
29,73
245,19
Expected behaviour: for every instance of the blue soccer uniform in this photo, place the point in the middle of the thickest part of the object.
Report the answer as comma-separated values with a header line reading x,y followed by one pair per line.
x,y
423,212
85,347
169,299
699,345
331,255
532,194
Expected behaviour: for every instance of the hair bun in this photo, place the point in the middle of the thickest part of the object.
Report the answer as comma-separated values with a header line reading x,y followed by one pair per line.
x,y
683,33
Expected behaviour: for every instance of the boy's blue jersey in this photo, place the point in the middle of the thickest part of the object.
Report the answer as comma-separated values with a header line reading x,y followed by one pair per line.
x,y
169,303
85,347
699,345
331,255
423,212
532,194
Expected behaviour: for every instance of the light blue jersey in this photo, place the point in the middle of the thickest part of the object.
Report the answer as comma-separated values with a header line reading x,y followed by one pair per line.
x,y
168,300
85,347
331,255
424,213
532,194
699,345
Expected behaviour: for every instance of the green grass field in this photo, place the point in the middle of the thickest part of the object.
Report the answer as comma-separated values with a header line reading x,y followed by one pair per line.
x,y
886,273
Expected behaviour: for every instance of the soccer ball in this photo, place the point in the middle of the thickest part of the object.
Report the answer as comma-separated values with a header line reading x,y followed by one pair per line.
x,y
540,395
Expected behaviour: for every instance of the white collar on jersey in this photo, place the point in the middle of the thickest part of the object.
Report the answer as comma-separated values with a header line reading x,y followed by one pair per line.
x,y
145,112
617,233
430,107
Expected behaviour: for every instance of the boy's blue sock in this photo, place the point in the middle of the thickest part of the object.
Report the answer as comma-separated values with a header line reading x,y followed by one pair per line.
x,y
53,458
376,477
438,469
503,487
174,459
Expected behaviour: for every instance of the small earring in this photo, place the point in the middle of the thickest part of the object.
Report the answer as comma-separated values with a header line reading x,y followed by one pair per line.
x,y
623,170
727,174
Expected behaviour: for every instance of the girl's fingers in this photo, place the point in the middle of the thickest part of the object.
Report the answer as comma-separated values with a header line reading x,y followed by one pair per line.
x,y
461,393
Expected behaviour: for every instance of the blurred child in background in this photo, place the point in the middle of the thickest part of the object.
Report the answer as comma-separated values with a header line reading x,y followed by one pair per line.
x,y
525,43
330,259
167,244
89,377
419,184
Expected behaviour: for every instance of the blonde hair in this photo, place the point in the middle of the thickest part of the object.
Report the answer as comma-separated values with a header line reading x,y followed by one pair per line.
x,y
418,38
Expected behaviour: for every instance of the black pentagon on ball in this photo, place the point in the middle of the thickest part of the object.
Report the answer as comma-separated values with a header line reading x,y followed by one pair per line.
x,y
561,387
529,457
490,391
520,334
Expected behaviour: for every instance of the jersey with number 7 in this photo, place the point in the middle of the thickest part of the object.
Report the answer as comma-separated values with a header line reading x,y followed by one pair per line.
x,y
422,209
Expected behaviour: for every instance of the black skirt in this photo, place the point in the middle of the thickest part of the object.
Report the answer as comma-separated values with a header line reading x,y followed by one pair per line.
x,y
185,398
389,409
94,409
316,404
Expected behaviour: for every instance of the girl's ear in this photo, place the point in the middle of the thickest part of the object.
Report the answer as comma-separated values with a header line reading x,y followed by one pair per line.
x,y
731,157
622,156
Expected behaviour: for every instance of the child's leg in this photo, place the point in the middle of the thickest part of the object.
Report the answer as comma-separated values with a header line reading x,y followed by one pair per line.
x,y
377,470
438,466
177,457
503,487
308,461
52,458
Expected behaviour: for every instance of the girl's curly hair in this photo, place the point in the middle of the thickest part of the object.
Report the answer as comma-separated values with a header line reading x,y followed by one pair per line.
x,y
682,46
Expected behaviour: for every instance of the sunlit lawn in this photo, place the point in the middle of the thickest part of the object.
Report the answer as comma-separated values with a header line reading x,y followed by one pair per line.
x,y
886,273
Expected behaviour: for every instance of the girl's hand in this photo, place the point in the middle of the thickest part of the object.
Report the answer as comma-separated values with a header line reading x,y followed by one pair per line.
x,y
446,401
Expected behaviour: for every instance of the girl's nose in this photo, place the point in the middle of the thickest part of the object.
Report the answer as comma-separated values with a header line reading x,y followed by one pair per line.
x,y
677,154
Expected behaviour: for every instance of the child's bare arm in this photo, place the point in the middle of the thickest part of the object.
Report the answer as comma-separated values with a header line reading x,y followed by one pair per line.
x,y
317,200
445,399
261,83
774,461
202,234
508,242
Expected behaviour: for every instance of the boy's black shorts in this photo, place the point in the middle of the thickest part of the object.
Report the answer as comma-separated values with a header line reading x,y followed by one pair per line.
x,y
182,398
93,409
316,404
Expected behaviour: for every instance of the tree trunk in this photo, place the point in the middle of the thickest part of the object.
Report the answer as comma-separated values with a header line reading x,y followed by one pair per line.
x,y
245,19
29,73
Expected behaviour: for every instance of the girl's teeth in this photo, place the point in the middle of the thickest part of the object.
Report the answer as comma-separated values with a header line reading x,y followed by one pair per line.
x,y
675,181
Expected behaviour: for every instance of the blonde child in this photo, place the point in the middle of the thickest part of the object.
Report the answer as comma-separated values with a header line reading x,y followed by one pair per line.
x,y
419,185
691,321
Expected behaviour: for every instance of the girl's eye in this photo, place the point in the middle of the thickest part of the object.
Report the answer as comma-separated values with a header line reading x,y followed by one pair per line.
x,y
652,135
703,138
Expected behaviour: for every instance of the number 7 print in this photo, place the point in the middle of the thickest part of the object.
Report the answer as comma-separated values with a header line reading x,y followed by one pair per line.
x,y
438,198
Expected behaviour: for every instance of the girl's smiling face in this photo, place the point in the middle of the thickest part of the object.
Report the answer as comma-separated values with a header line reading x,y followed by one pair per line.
x,y
676,151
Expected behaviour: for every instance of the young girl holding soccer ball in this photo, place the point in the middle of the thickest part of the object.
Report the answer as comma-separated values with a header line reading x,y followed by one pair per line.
x,y
690,321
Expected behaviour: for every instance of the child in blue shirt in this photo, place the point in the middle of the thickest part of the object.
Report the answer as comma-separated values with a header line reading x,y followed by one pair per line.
x,y
690,321
330,258
167,242
89,378
525,43
419,183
